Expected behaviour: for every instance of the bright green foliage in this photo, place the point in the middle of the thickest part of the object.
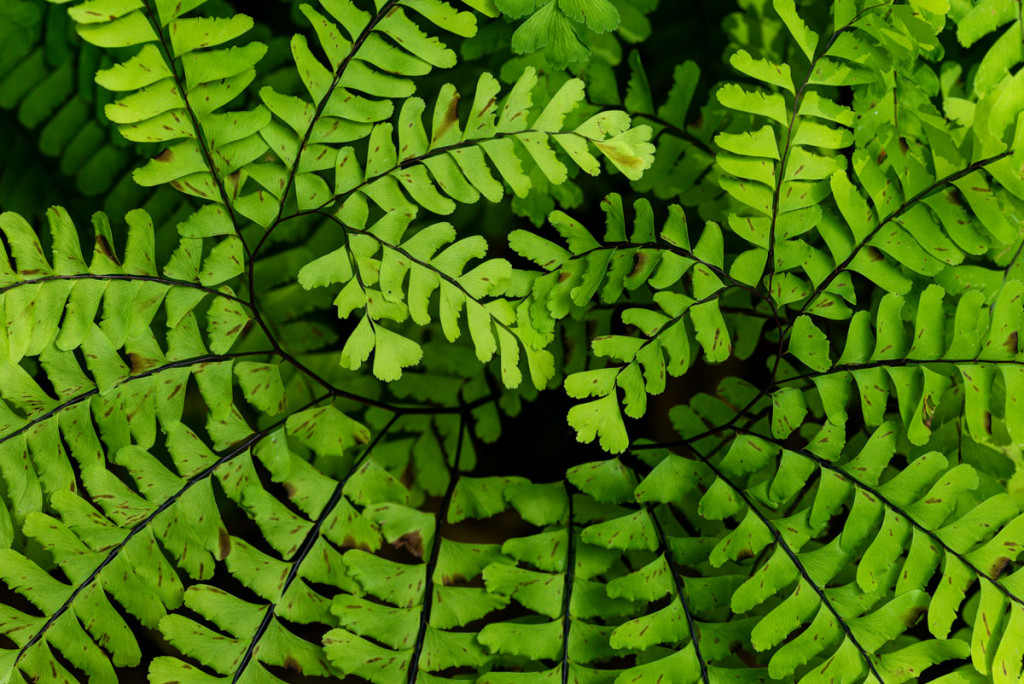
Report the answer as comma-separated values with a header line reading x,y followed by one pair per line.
x,y
565,31
255,423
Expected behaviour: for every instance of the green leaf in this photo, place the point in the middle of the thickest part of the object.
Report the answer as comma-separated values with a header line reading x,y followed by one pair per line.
x,y
805,38
262,385
809,344
763,70
600,419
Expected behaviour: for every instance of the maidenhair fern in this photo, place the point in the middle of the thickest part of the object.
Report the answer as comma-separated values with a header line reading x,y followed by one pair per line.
x,y
424,341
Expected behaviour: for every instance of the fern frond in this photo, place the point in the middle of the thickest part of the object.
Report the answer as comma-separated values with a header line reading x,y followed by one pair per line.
x,y
164,523
174,88
117,552
451,165
302,539
377,285
183,457
823,595
921,365
784,170
406,629
675,319
556,576
554,27
65,419
976,21
47,80
356,88
567,33
452,160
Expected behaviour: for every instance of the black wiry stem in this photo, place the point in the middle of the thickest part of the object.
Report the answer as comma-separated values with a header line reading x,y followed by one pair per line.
x,y
680,587
663,246
787,148
184,363
204,147
688,442
171,282
873,491
419,159
902,209
425,264
678,132
252,304
763,392
898,363
339,73
435,552
307,545
794,558
249,443
567,587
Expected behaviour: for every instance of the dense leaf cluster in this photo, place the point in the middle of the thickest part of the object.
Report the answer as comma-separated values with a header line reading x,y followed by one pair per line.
x,y
259,377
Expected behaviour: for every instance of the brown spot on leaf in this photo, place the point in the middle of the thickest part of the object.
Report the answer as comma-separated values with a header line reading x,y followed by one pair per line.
x,y
104,248
139,363
1011,342
641,261
451,117
223,544
412,542
622,158
912,615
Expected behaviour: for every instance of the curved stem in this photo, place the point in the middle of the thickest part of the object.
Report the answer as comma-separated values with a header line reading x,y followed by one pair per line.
x,y
689,442
170,282
184,363
412,161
